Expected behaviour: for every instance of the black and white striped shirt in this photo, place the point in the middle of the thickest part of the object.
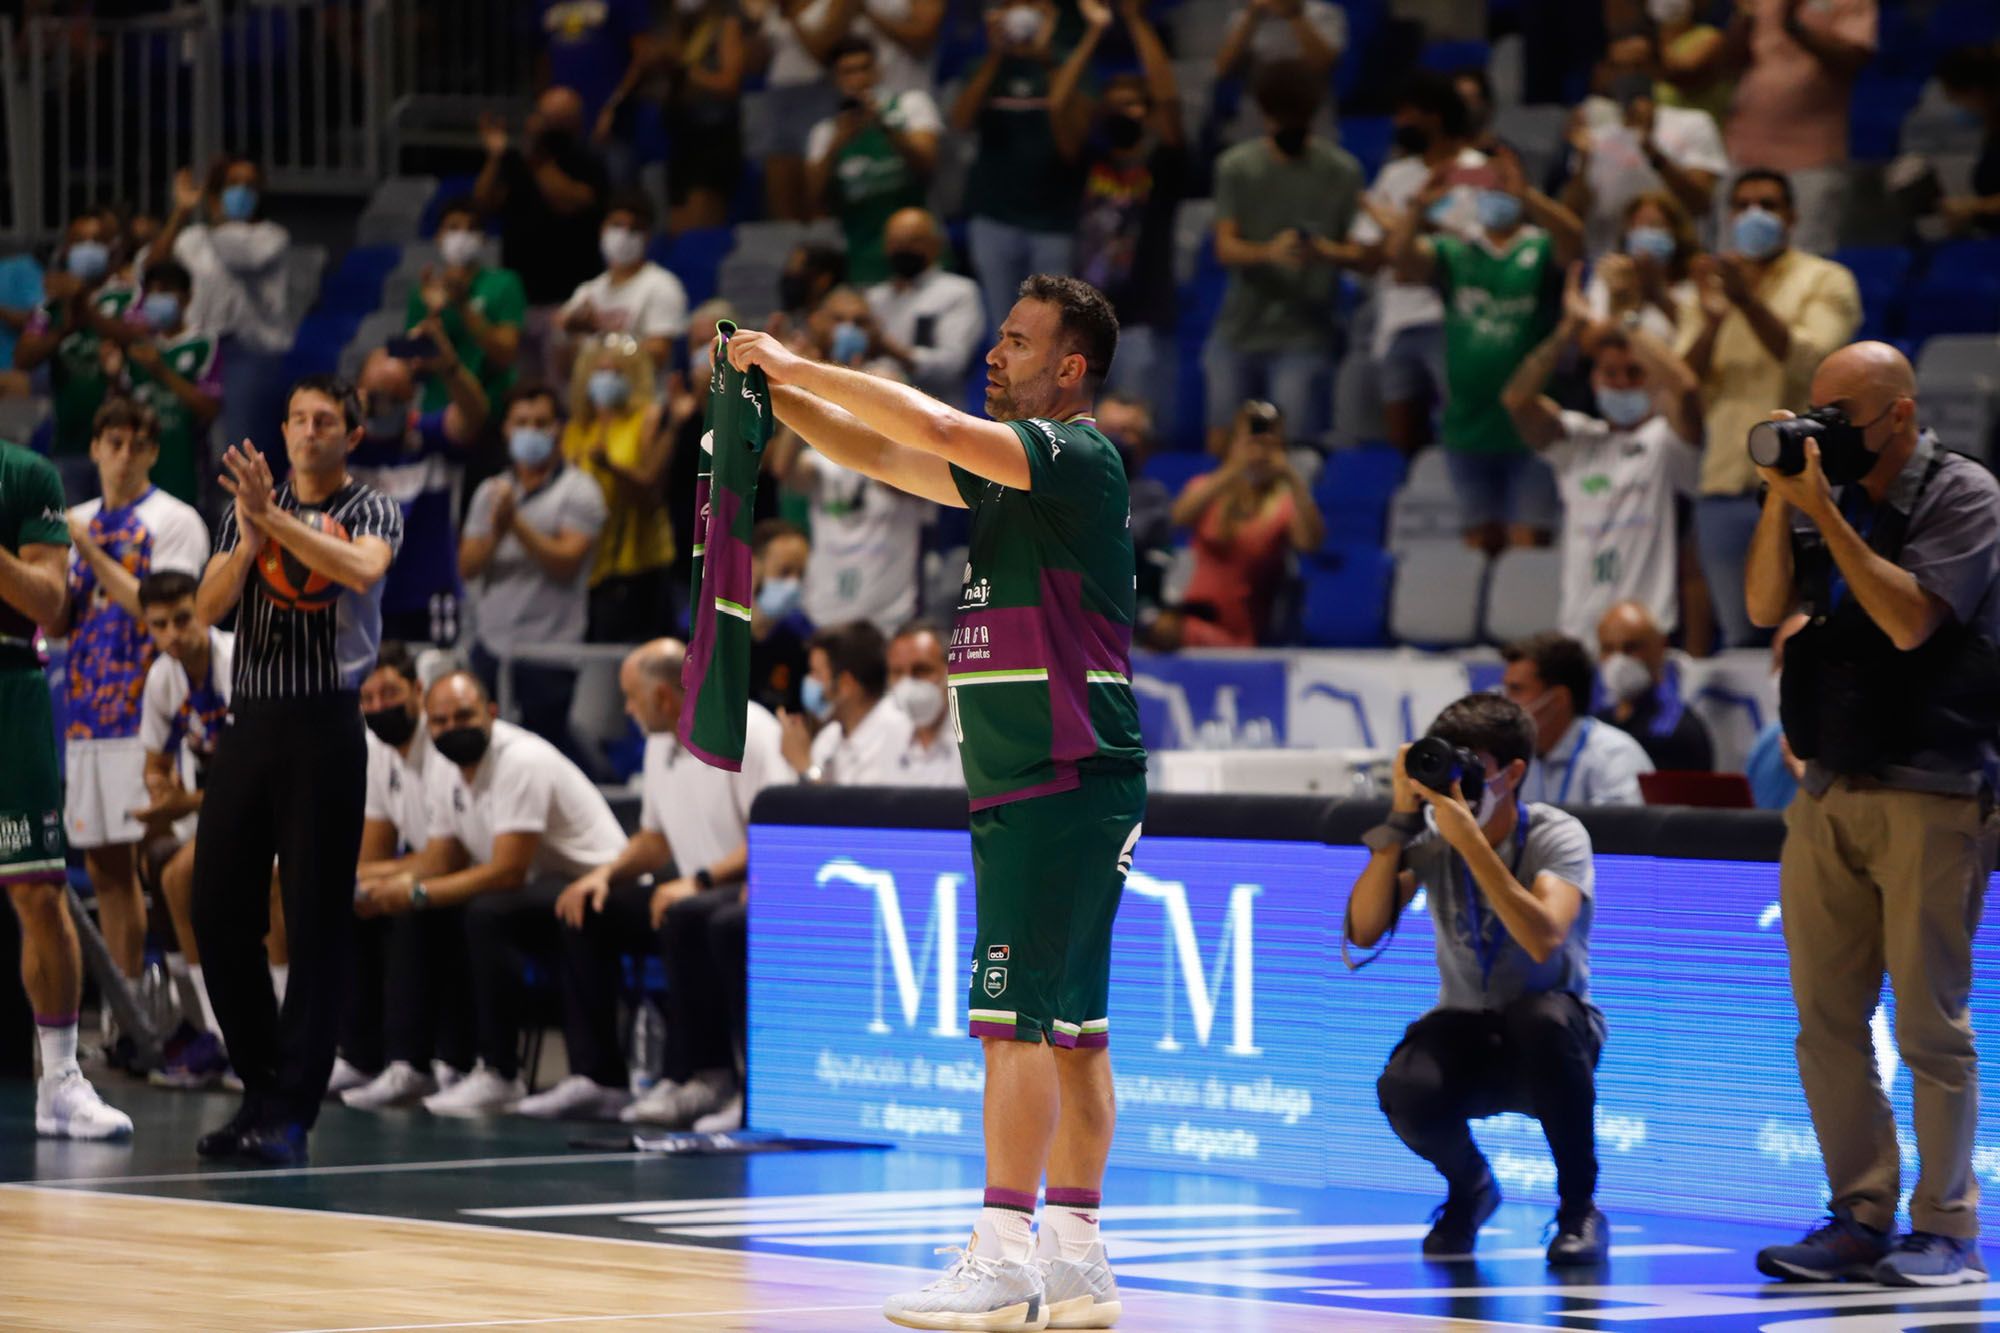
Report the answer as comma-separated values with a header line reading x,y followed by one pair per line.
x,y
288,654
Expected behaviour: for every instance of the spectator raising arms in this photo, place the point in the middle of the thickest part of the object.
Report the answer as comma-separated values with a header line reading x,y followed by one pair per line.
x,y
1265,31
1135,173
870,159
599,48
633,296
1767,315
481,307
1502,293
548,193
1620,470
614,435
704,54
1646,283
1694,69
1283,206
1246,515
1031,118
175,370
242,296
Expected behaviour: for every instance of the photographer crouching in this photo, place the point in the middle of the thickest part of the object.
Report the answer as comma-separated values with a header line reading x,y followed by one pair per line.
x,y
1510,888
1891,694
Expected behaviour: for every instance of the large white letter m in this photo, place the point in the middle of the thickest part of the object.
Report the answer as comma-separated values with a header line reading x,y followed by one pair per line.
x,y
892,938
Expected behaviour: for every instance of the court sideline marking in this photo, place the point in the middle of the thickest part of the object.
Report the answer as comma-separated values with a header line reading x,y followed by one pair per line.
x,y
591,1318
352,1169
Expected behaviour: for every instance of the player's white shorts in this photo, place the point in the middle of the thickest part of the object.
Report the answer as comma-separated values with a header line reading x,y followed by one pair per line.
x,y
104,782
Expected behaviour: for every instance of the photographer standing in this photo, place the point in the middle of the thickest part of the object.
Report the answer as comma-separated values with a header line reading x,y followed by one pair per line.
x,y
1511,892
1888,695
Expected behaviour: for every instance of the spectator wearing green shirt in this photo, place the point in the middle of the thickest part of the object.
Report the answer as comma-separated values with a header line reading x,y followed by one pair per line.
x,y
871,159
1502,293
1283,207
174,369
1032,120
481,306
81,302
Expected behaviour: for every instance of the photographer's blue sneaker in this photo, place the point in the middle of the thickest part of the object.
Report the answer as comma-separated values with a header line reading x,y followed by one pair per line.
x,y
1926,1259
1837,1248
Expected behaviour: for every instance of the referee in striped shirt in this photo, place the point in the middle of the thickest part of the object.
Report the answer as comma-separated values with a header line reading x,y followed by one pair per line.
x,y
289,771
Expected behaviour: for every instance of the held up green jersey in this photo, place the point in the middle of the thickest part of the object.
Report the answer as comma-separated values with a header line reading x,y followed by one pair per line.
x,y
1041,651
716,675
32,513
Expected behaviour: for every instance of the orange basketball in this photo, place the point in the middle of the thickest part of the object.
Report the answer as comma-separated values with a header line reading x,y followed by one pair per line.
x,y
286,578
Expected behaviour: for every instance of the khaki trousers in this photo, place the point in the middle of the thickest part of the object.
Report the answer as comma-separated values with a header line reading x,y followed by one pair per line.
x,y
1874,879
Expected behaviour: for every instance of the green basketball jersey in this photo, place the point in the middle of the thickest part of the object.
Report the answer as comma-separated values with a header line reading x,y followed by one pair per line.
x,y
1041,652
183,441
31,514
716,674
1497,305
76,372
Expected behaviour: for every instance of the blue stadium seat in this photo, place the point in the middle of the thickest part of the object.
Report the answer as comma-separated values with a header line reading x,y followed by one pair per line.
x,y
322,335
1957,23
1175,468
1880,101
1353,493
695,257
356,285
1958,292
1880,271
1367,137
1345,601
1448,57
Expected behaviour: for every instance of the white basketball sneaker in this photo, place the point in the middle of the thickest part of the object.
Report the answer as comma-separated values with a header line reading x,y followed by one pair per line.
x,y
69,1108
1081,1293
980,1291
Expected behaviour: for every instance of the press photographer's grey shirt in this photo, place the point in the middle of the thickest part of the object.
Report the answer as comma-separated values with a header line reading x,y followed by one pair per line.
x,y
1952,549
1556,844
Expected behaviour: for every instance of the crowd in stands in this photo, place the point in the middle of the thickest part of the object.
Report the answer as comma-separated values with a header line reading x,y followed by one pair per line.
x,y
1572,319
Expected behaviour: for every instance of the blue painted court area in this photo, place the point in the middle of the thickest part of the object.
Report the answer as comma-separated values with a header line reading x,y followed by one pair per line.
x,y
1343,1252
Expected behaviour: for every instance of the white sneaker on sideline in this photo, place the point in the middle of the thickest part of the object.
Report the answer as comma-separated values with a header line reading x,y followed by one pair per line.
x,y
447,1077
1081,1293
727,1120
67,1107
577,1097
482,1092
345,1076
398,1085
980,1291
653,1105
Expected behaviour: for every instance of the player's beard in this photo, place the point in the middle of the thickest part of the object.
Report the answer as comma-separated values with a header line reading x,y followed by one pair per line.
x,y
1018,401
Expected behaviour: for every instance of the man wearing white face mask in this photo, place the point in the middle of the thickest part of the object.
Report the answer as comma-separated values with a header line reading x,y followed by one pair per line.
x,y
633,295
1642,694
862,737
482,307
525,556
917,686
1619,471
1767,315
1578,760
1511,890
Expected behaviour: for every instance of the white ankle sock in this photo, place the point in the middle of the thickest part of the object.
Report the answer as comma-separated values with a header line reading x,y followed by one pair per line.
x,y
208,1022
58,1043
1007,1230
1071,1217
281,977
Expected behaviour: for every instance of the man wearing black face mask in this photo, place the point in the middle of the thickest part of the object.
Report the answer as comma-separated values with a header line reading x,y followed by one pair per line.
x,y
511,822
928,321
811,271
1135,174
1888,695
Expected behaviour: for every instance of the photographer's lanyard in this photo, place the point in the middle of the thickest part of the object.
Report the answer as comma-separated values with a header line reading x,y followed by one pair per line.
x,y
1861,517
1485,950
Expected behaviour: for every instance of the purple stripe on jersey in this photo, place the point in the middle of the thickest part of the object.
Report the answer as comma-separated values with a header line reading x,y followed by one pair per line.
x,y
725,565
1070,733
1066,779
1067,1040
1005,638
1091,1041
981,1028
712,760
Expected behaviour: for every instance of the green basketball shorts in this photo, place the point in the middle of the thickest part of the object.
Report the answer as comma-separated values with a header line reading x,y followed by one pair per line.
x,y
1049,872
31,794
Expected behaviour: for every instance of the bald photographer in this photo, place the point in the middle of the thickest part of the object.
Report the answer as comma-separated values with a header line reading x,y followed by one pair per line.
x,y
1891,547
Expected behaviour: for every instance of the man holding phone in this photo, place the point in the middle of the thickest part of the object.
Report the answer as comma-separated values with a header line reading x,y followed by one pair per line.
x,y
1511,892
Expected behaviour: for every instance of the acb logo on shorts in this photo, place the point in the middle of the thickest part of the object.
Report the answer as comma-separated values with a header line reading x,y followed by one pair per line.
x,y
998,953
996,981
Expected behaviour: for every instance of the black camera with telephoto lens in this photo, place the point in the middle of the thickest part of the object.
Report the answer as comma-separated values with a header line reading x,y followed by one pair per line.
x,y
1436,763
1781,445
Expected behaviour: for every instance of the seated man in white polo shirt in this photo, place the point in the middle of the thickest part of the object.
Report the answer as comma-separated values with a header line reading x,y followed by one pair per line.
x,y
512,821
862,738
917,686
1578,760
696,819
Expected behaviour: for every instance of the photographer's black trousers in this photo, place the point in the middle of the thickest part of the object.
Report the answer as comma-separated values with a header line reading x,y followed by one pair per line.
x,y
1538,1056
287,781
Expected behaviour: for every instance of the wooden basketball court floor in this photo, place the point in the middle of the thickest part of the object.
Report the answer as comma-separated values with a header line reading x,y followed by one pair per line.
x,y
404,1222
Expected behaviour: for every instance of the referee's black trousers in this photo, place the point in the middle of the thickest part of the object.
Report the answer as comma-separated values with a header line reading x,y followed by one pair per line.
x,y
287,781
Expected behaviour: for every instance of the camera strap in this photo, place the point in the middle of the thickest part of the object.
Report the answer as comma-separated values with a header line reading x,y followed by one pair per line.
x,y
1487,949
